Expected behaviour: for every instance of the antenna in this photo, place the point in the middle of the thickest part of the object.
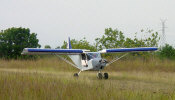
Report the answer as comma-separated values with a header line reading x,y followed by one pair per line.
x,y
163,37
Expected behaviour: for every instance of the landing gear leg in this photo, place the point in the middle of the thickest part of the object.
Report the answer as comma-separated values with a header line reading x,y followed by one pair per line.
x,y
77,74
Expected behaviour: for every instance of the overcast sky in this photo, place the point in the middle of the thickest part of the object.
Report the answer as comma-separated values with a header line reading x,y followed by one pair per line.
x,y
55,20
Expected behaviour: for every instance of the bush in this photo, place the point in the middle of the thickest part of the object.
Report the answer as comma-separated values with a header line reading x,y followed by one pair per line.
x,y
167,52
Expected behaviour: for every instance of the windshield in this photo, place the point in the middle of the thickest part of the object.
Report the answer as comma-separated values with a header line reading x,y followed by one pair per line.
x,y
93,55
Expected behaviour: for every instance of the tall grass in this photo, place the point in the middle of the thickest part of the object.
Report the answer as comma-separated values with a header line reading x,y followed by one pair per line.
x,y
49,64
137,64
55,64
50,86
52,79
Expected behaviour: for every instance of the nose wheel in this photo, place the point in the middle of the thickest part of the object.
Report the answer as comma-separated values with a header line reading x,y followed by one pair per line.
x,y
101,76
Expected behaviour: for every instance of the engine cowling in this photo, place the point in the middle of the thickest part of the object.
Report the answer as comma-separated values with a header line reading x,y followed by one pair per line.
x,y
99,63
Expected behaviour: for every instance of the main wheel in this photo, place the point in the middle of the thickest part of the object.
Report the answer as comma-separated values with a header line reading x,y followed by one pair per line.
x,y
105,75
76,75
99,76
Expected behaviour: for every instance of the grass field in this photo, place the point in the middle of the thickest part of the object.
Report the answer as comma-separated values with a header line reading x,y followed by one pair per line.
x,y
52,79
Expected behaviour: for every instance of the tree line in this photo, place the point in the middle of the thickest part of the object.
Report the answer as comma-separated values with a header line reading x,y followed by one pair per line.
x,y
14,40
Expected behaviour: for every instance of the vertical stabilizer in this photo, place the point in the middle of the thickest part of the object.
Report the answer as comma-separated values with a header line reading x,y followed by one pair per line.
x,y
69,44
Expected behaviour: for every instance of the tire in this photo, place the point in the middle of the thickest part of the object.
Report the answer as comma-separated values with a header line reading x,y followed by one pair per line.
x,y
99,76
105,75
76,75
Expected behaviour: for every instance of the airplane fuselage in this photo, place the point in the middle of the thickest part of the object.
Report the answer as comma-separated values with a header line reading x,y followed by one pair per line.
x,y
92,61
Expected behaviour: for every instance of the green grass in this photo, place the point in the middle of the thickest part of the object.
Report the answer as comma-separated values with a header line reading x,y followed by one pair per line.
x,y
52,79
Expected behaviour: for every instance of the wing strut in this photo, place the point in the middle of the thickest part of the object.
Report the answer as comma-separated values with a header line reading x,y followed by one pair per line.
x,y
67,61
117,58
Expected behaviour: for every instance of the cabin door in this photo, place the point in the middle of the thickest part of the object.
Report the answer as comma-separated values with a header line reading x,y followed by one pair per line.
x,y
84,60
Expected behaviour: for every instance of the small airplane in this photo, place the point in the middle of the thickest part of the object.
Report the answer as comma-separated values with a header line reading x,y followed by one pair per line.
x,y
84,59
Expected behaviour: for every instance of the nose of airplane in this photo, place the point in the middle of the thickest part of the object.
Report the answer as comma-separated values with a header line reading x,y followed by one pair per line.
x,y
99,63
103,61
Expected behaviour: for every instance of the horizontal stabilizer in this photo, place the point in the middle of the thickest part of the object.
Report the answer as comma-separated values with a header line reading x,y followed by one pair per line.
x,y
140,49
36,51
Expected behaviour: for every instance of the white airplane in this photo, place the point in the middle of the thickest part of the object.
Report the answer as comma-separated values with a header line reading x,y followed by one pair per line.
x,y
84,59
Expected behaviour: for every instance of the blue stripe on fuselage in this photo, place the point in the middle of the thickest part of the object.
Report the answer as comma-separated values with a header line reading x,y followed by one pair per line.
x,y
131,49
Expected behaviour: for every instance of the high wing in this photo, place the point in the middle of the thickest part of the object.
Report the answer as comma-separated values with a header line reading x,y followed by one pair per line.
x,y
37,51
139,49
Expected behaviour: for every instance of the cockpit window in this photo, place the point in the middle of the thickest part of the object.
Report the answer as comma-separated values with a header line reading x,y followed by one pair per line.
x,y
93,55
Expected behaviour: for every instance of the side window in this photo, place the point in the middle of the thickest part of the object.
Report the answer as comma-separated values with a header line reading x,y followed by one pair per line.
x,y
90,56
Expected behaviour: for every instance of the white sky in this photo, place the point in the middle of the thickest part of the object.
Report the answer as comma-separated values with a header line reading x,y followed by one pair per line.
x,y
55,20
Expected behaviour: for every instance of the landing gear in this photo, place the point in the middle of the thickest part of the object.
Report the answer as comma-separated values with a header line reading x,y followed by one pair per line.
x,y
77,74
105,75
100,75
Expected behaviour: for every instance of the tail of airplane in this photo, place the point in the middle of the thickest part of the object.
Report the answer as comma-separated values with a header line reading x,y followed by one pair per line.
x,y
69,44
